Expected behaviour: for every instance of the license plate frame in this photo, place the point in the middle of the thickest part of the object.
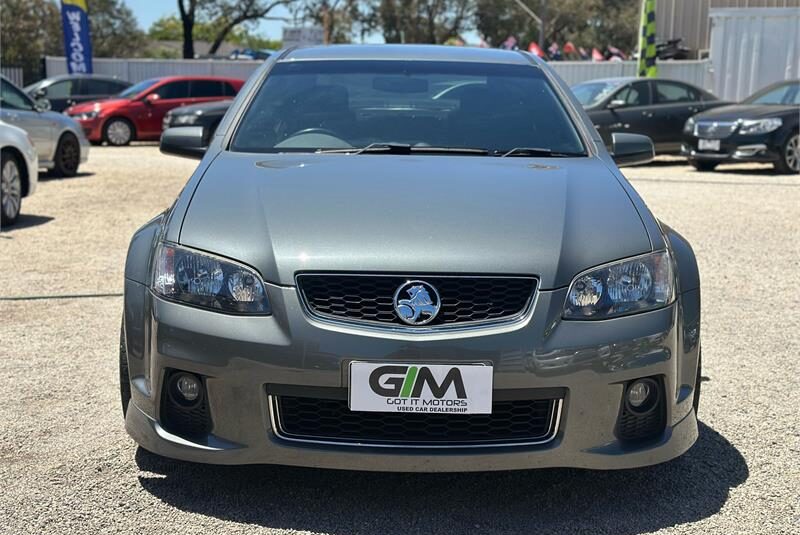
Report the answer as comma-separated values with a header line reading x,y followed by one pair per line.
x,y
419,388
711,145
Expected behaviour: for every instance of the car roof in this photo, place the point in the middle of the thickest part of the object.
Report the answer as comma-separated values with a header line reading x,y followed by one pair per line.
x,y
406,52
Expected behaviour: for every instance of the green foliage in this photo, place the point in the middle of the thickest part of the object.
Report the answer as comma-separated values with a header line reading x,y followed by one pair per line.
x,y
30,30
169,28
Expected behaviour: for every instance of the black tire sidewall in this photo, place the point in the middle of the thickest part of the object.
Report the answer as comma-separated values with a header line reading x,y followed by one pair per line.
x,y
782,166
4,219
59,169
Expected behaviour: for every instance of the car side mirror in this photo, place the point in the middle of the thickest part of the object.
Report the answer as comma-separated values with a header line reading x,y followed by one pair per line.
x,y
616,103
42,105
151,98
184,141
39,94
631,149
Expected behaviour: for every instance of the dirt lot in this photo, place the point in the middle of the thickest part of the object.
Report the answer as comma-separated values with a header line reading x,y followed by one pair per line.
x,y
67,465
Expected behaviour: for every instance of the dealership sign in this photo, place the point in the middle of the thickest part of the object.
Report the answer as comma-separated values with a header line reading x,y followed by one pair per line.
x,y
77,42
303,36
431,388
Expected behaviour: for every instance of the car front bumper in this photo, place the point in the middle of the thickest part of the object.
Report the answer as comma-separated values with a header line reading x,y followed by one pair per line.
x,y
242,356
735,148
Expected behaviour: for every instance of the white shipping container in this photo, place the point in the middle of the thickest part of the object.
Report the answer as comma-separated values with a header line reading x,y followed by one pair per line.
x,y
752,48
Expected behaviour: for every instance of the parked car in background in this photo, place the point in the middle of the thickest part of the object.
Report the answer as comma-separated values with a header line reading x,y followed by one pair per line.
x,y
137,113
762,128
69,89
19,171
655,108
206,115
59,140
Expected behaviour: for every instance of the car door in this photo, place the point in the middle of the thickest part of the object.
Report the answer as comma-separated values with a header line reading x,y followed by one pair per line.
x,y
627,110
206,91
168,96
18,109
59,94
674,103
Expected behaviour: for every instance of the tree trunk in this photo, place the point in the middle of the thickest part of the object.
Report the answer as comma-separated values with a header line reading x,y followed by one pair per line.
x,y
187,21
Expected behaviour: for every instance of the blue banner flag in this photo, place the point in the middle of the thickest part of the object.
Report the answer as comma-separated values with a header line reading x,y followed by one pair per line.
x,y
77,41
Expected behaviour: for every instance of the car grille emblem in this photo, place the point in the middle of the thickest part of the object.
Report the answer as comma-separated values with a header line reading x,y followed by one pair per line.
x,y
421,305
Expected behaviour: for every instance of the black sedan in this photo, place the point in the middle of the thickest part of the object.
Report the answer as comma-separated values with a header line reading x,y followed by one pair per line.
x,y
763,128
655,108
70,89
207,115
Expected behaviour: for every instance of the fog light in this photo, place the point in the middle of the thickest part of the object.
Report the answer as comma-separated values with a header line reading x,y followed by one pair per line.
x,y
188,386
638,394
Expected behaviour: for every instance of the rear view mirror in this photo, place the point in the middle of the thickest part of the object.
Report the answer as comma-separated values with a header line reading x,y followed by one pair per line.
x,y
40,93
185,141
631,149
616,103
151,98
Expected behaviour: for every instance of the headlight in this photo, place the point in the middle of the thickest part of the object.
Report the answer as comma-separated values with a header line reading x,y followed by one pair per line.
x,y
759,126
86,116
688,128
206,281
184,119
634,285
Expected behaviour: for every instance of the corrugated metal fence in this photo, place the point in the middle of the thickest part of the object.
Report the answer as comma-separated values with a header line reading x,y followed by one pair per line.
x,y
136,70
15,74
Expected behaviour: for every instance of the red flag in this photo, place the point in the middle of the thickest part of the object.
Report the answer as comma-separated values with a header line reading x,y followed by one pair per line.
x,y
569,48
533,48
596,55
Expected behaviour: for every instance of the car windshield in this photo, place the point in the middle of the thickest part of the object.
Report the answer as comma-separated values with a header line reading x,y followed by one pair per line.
x,y
781,95
135,89
592,93
423,106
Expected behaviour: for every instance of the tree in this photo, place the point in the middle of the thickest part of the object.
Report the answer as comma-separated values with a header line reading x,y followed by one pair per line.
x,y
228,14
419,21
31,29
339,19
169,28
188,10
114,29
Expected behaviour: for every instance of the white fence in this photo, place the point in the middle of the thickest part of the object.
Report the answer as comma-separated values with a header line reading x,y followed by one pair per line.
x,y
697,72
15,74
136,70
752,48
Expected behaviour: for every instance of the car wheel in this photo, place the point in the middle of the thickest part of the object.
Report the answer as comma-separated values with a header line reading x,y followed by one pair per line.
x,y
790,155
118,132
124,376
703,165
697,382
10,188
68,156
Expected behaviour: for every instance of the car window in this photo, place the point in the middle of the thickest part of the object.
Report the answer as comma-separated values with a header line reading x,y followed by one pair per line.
x,y
101,87
671,93
310,105
173,90
783,94
62,89
228,89
12,98
206,88
592,93
635,94
137,89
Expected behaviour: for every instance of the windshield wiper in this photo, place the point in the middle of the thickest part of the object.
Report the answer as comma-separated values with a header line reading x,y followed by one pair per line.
x,y
402,148
536,151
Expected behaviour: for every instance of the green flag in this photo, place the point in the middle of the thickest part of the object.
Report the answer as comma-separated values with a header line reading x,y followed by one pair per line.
x,y
647,40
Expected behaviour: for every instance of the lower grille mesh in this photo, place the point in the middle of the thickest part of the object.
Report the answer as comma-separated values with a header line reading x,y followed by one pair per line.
x,y
518,421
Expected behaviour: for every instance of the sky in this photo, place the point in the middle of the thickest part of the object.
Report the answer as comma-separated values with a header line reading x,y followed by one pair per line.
x,y
148,11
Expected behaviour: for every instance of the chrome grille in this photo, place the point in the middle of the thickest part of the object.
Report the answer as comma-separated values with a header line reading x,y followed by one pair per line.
x,y
369,298
715,129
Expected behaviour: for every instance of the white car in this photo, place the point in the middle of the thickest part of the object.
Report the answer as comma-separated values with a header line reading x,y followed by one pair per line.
x,y
19,171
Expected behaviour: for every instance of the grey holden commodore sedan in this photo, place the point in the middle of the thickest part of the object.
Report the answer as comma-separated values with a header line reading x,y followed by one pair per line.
x,y
410,258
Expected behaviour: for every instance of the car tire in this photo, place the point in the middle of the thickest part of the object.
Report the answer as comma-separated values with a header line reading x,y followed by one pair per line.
x,y
697,383
118,132
10,188
68,156
789,162
124,376
703,165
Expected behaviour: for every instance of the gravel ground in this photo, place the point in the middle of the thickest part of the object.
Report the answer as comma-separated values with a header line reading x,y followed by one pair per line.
x,y
67,465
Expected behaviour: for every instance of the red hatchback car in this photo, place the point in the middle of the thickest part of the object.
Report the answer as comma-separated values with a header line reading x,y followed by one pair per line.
x,y
137,112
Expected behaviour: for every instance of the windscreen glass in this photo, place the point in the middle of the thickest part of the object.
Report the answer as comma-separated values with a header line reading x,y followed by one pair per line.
x,y
319,105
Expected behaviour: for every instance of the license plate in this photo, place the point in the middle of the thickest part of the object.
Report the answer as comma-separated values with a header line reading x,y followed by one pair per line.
x,y
708,144
416,388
